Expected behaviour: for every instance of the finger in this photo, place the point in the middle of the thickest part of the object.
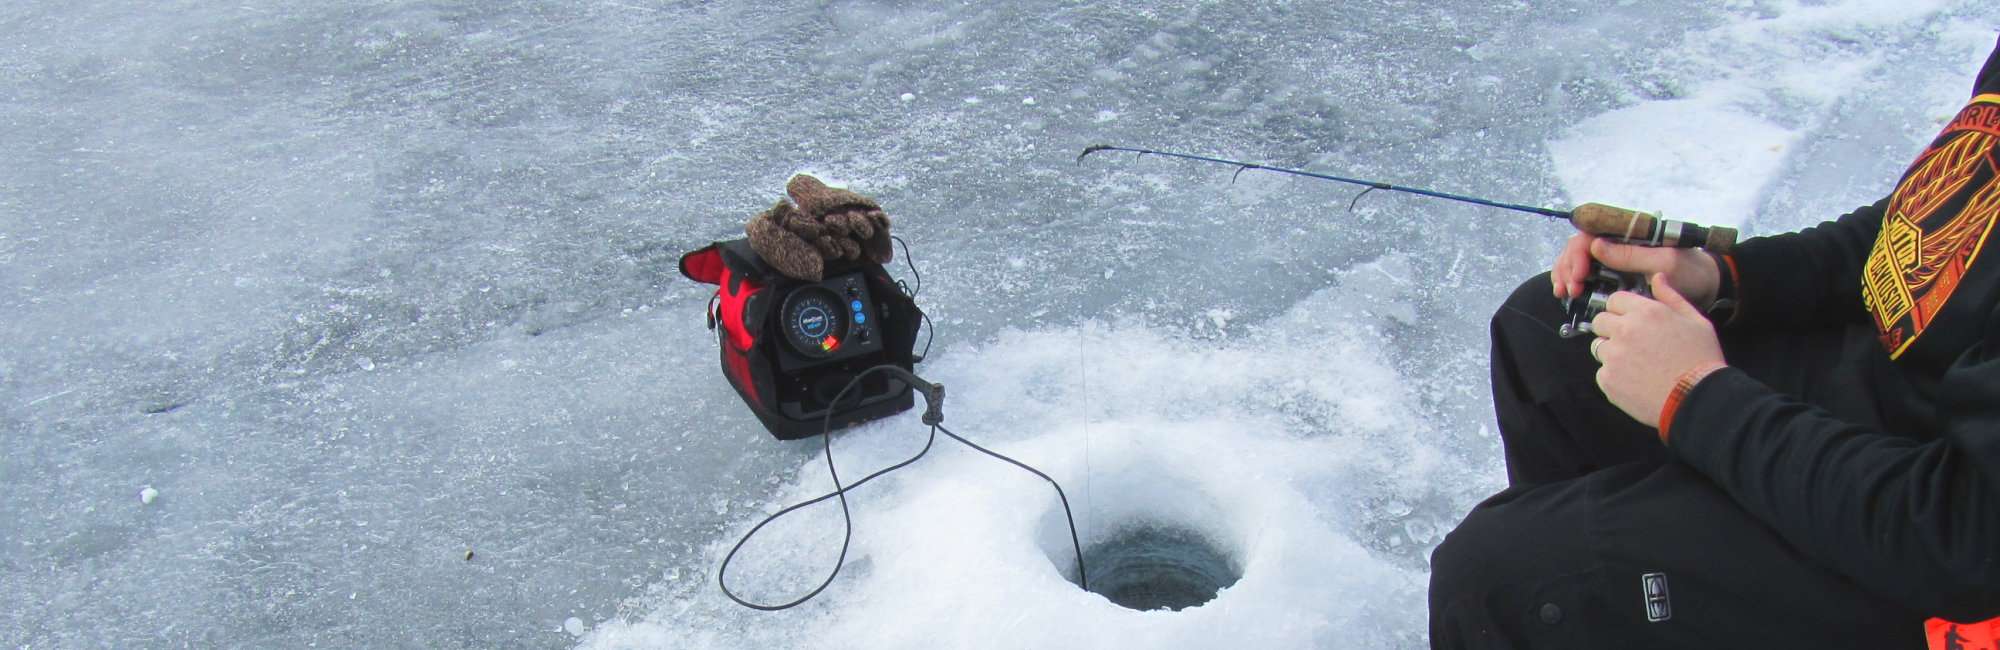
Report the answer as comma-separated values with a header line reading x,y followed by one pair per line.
x,y
1626,302
1576,264
1567,275
1559,271
1627,257
1607,325
1559,275
1581,263
1665,293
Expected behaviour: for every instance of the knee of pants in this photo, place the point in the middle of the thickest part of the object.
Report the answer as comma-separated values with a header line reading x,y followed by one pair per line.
x,y
1528,354
1533,300
1460,563
1522,534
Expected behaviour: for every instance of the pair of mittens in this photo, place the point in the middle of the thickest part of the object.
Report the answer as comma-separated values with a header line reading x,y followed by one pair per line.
x,y
819,225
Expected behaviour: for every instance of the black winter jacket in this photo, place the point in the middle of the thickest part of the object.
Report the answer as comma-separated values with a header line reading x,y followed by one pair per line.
x,y
1911,509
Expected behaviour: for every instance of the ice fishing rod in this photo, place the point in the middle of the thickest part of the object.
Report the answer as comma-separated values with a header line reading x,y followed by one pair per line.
x,y
1621,224
1610,222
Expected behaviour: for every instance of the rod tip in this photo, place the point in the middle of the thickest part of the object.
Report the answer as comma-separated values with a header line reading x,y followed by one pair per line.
x,y
1091,150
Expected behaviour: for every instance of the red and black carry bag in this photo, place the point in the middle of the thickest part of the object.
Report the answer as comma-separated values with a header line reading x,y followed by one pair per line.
x,y
795,404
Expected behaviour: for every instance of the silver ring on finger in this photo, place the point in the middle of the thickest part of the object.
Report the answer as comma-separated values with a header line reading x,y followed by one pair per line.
x,y
1594,345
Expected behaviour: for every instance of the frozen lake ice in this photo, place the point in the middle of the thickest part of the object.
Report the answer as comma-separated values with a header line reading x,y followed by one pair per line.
x,y
357,323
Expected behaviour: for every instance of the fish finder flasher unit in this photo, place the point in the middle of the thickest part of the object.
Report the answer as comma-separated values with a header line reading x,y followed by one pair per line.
x,y
789,346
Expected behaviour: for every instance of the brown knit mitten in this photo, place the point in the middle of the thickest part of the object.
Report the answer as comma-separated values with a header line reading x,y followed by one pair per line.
x,y
826,224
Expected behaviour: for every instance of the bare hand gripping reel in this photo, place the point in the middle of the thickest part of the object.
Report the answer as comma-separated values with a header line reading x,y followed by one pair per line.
x,y
1636,228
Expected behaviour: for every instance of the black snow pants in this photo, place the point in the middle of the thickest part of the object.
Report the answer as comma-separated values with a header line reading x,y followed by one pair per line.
x,y
1602,541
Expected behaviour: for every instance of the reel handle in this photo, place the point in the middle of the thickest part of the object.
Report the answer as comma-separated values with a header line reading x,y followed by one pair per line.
x,y
1597,289
1644,229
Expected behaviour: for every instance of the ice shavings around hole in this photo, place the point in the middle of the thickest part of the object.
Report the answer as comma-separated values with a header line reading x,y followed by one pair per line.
x,y
1271,446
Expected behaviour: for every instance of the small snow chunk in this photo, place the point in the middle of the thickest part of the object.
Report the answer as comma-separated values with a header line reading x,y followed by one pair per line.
x,y
972,100
148,494
1106,116
908,97
574,626
1017,262
1221,318
366,363
1029,101
1420,531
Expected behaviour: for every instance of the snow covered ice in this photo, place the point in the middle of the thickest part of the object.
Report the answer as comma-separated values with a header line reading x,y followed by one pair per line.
x,y
374,307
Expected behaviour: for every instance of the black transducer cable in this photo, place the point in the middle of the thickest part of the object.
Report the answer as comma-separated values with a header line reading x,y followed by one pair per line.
x,y
934,417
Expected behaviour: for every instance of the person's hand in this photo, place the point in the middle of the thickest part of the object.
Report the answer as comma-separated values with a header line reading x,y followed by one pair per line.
x,y
1691,272
1645,346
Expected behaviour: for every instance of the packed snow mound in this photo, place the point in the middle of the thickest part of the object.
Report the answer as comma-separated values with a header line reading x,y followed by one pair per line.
x,y
1688,160
1710,149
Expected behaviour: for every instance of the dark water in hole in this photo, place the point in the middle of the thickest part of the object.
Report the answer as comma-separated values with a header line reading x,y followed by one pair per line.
x,y
1152,567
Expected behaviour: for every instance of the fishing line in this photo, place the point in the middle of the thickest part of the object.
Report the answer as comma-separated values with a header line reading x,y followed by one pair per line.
x,y
1083,370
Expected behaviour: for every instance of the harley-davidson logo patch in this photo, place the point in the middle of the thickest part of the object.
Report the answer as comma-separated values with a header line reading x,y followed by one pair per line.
x,y
1935,226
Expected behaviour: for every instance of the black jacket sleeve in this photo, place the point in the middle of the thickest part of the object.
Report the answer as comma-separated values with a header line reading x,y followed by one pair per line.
x,y
1808,277
1915,521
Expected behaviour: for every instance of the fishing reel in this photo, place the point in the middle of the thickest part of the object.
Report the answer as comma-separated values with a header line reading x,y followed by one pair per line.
x,y
1597,289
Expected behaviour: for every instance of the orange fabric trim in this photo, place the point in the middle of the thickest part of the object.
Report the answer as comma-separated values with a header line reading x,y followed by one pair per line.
x,y
1946,635
1682,385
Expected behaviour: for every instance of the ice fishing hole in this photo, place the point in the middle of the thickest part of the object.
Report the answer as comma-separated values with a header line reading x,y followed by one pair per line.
x,y
1152,566
1153,534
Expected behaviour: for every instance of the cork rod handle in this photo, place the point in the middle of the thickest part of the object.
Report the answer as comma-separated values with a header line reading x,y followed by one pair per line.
x,y
1640,227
